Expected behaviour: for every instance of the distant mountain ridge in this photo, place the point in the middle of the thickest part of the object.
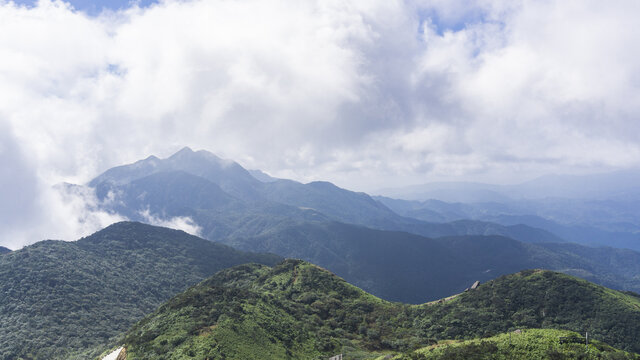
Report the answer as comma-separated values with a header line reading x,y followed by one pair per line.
x,y
4,250
596,209
618,185
324,197
591,222
262,176
131,184
68,300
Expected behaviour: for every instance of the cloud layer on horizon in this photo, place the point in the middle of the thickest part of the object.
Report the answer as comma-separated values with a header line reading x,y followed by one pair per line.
x,y
364,93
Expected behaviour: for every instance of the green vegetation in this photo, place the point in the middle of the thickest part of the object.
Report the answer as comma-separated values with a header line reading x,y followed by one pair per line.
x,y
543,299
72,300
522,345
294,310
297,310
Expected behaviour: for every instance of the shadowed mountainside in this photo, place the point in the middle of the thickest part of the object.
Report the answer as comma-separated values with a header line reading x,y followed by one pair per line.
x,y
399,266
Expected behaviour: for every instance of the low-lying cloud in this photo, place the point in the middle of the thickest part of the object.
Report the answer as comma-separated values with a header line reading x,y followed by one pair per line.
x,y
184,223
367,94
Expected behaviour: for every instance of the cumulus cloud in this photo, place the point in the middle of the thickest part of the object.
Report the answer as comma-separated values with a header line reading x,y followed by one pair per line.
x,y
555,82
364,93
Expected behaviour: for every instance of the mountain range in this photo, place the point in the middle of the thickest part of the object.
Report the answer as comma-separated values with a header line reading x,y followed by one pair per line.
x,y
76,300
589,222
396,257
218,194
618,185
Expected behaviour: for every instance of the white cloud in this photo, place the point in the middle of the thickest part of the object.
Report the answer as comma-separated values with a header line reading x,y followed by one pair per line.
x,y
363,93
183,223
59,212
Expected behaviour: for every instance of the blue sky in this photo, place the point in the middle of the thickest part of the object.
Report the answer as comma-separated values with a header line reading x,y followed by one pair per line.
x,y
94,7
430,15
443,23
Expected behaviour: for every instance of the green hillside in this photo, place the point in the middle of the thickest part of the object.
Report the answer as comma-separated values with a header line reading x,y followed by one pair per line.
x,y
522,345
297,310
60,299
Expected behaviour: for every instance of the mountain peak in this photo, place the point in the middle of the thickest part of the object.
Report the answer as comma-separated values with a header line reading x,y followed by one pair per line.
x,y
132,231
131,226
185,151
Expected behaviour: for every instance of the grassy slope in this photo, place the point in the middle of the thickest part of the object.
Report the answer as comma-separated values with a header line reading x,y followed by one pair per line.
x,y
296,310
60,299
253,311
523,345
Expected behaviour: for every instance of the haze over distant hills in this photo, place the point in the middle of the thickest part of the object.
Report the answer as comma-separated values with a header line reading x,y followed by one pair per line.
x,y
619,185
599,209
586,221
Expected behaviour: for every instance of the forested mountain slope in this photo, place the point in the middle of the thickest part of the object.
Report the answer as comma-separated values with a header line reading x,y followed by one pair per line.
x,y
296,310
59,299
